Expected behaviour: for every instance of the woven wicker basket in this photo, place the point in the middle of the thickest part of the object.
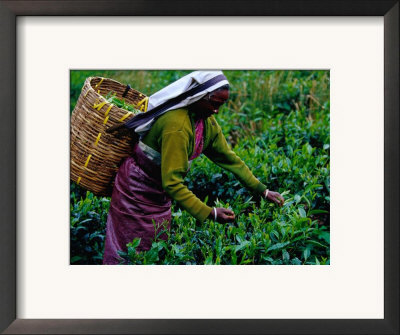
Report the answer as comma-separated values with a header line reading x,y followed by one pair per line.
x,y
95,154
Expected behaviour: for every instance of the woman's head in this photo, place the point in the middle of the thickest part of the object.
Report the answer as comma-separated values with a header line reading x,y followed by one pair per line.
x,y
184,92
211,102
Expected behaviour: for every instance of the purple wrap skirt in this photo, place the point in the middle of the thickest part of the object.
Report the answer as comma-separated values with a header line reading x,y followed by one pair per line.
x,y
139,208
139,205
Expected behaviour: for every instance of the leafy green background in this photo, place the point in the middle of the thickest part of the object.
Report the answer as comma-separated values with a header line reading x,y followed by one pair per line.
x,y
278,123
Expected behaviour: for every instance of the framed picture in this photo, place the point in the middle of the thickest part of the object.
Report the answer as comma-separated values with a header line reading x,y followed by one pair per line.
x,y
263,106
357,293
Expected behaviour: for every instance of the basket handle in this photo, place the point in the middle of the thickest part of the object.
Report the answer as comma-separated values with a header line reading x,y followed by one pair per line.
x,y
128,87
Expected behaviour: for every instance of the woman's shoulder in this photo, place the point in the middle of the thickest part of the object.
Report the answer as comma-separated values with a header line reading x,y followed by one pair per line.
x,y
213,125
175,120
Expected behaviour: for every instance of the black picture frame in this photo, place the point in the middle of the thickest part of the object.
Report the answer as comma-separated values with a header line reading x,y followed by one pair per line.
x,y
9,10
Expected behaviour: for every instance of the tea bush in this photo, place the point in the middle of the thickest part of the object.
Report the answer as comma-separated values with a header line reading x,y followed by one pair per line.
x,y
87,232
278,123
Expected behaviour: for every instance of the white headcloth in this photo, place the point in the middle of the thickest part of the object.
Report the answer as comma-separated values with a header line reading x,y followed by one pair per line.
x,y
168,98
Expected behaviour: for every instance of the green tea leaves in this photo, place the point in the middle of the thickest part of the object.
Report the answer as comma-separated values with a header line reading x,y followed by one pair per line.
x,y
302,212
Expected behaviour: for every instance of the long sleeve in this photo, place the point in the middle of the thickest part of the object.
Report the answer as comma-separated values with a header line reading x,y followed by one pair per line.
x,y
174,166
221,154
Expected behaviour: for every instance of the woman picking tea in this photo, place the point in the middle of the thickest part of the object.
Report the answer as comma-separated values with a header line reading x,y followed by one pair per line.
x,y
178,127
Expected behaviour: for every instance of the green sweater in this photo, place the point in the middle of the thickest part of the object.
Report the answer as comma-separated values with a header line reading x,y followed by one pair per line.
x,y
172,135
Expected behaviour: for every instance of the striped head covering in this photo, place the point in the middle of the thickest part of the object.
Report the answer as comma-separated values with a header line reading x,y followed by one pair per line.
x,y
180,93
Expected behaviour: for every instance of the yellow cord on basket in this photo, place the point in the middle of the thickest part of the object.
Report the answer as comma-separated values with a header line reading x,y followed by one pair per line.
x,y
141,101
97,139
144,101
125,116
108,110
99,105
88,159
86,164
99,83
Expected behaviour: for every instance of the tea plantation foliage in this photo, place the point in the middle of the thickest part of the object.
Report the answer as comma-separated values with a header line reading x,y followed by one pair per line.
x,y
278,123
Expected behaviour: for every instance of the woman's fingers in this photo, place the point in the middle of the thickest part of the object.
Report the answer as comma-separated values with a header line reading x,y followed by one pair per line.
x,y
276,197
225,215
229,215
228,218
229,212
279,199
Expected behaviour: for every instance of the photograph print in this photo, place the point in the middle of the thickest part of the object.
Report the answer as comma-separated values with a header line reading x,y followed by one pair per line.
x,y
200,167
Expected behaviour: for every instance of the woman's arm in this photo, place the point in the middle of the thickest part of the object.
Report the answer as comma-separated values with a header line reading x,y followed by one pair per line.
x,y
221,154
174,166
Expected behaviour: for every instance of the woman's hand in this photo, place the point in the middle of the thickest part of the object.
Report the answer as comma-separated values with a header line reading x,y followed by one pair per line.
x,y
274,197
223,215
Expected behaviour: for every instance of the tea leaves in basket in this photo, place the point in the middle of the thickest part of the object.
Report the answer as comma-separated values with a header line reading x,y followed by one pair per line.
x,y
112,98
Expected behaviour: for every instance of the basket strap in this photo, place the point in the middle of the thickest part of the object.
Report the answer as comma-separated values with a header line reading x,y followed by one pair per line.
x,y
128,87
